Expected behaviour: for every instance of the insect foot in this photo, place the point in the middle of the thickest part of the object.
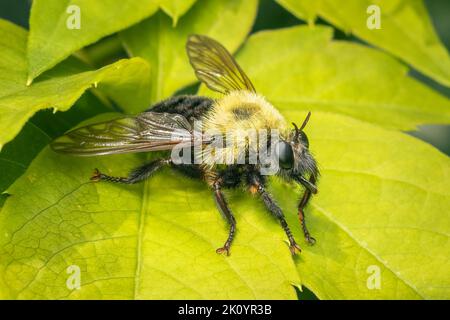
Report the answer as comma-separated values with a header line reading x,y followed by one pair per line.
x,y
310,240
294,248
225,249
96,176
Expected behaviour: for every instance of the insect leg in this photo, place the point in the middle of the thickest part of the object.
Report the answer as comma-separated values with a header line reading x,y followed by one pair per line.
x,y
257,183
223,207
137,175
301,213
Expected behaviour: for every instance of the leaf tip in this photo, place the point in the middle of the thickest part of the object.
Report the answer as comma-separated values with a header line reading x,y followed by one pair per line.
x,y
298,286
311,21
174,21
29,81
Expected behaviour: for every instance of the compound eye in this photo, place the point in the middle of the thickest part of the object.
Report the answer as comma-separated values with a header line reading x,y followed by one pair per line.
x,y
285,155
304,139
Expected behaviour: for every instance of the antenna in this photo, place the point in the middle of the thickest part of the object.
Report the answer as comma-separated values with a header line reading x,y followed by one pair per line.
x,y
297,132
305,122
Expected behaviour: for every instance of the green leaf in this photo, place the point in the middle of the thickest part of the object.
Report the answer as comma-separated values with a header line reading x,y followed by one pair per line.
x,y
51,41
176,8
154,240
19,102
309,71
406,29
38,132
383,201
306,11
376,207
13,66
17,155
164,46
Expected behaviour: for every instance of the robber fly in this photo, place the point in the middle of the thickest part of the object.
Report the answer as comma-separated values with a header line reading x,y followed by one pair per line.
x,y
239,108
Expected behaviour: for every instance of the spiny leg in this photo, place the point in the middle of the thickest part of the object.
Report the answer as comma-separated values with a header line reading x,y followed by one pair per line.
x,y
137,175
257,183
223,207
301,213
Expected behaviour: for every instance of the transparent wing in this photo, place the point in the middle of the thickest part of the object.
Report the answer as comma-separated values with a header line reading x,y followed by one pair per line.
x,y
215,66
149,131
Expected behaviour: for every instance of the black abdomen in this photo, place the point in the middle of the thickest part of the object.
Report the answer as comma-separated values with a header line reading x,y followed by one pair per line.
x,y
192,108
189,106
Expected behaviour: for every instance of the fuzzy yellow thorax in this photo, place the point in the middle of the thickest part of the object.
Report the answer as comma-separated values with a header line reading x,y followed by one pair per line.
x,y
237,114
